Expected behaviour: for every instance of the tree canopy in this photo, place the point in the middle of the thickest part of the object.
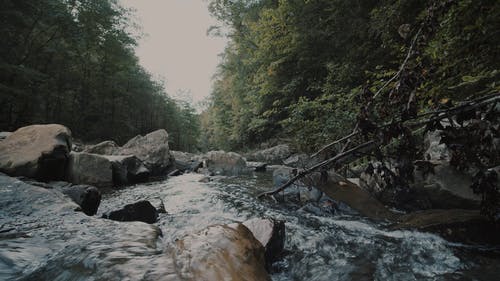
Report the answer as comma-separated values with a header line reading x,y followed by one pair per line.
x,y
299,69
72,62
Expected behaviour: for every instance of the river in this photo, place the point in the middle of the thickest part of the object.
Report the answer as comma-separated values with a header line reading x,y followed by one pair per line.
x,y
343,246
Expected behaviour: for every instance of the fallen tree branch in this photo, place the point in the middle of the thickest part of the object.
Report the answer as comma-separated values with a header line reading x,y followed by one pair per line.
x,y
344,157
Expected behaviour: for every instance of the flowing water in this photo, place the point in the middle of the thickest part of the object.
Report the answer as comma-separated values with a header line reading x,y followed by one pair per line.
x,y
343,246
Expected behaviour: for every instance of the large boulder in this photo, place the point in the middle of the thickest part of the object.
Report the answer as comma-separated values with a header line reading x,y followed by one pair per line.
x,y
272,155
152,149
36,151
105,147
271,234
224,162
140,211
87,168
127,169
220,253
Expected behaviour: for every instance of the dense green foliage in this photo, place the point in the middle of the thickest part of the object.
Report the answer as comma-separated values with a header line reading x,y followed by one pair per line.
x,y
72,62
298,69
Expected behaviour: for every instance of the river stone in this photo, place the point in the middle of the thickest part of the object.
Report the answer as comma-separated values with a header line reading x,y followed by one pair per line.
x,y
92,169
127,169
272,155
224,162
36,151
220,252
105,147
86,196
152,149
140,211
271,234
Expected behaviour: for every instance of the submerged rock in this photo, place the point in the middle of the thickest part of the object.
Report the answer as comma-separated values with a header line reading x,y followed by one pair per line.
x,y
140,211
220,253
271,234
87,168
36,151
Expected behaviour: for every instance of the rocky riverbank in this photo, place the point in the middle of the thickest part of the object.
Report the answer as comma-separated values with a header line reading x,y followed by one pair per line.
x,y
46,181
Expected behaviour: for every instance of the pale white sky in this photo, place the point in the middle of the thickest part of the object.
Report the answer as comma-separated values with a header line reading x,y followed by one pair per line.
x,y
176,46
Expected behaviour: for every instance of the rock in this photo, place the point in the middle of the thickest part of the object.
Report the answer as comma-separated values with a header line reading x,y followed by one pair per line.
x,y
434,149
92,169
225,162
175,173
86,196
36,151
257,166
105,147
152,149
446,187
299,191
204,179
140,211
127,169
220,253
272,155
298,161
4,135
183,156
340,189
271,234
457,225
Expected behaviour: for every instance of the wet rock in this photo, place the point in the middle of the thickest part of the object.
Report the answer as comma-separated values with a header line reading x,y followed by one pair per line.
x,y
175,173
457,225
257,166
340,189
225,162
86,196
36,151
140,211
204,179
92,169
220,253
272,155
152,149
271,234
127,169
105,147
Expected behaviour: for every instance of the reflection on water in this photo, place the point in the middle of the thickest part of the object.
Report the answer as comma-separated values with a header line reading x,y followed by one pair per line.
x,y
339,247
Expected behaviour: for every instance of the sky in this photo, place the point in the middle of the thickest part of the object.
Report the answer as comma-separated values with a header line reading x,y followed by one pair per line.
x,y
176,46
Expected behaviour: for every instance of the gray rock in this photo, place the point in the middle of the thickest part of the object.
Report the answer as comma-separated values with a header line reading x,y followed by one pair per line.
x,y
105,147
86,196
272,155
92,169
271,234
224,162
152,149
127,169
36,151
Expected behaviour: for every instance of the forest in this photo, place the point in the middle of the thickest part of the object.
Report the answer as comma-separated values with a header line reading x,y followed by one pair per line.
x,y
301,71
72,62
